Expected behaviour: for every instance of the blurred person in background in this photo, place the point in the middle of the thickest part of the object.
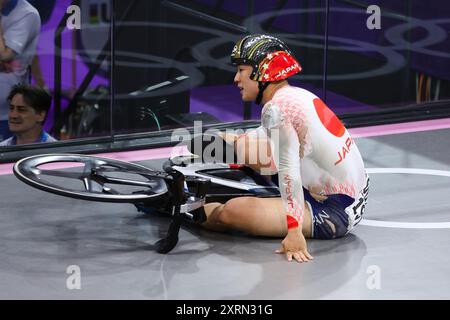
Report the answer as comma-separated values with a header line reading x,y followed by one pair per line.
x,y
28,107
20,26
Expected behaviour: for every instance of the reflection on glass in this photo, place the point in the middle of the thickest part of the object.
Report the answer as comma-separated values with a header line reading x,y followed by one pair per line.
x,y
388,55
74,66
179,70
168,62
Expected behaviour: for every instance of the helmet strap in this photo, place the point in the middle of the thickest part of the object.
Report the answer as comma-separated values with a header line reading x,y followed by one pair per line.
x,y
262,86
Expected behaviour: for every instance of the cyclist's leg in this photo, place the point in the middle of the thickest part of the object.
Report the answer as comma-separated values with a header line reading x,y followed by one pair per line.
x,y
256,216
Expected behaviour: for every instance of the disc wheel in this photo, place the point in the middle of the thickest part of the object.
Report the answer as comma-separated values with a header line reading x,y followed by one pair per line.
x,y
92,178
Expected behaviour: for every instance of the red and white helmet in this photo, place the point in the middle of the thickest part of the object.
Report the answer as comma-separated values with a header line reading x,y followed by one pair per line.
x,y
270,58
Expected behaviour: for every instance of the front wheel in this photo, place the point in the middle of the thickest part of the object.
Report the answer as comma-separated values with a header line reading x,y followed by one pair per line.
x,y
92,178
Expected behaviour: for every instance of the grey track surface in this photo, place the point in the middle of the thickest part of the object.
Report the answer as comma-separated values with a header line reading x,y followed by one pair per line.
x,y
42,234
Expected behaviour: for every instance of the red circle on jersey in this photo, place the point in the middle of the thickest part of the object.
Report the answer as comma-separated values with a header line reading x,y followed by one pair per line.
x,y
328,118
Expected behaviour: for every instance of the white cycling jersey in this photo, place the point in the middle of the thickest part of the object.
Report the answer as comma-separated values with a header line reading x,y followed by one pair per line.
x,y
311,149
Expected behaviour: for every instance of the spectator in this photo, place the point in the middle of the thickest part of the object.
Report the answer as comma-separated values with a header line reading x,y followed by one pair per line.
x,y
19,31
28,107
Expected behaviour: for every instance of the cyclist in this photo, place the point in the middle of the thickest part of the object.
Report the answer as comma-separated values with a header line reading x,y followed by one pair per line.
x,y
321,174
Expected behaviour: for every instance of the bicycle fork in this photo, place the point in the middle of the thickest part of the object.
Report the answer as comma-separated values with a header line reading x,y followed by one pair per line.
x,y
182,205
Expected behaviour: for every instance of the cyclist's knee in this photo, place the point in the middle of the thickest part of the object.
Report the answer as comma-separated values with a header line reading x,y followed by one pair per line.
x,y
232,212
